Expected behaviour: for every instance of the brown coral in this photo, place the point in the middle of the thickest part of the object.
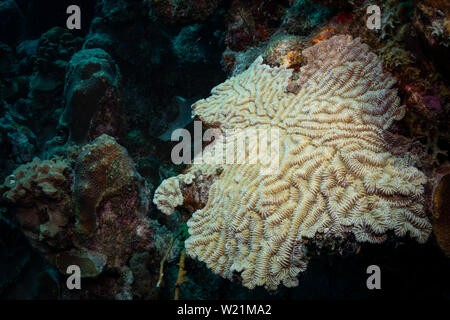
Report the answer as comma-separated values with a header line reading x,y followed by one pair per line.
x,y
103,171
336,175
41,192
441,208
285,51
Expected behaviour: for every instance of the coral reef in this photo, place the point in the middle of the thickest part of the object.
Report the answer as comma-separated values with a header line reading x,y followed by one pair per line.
x,y
17,138
53,52
417,67
73,196
183,11
431,19
186,45
110,203
303,17
41,101
178,60
279,46
336,175
252,22
285,51
280,50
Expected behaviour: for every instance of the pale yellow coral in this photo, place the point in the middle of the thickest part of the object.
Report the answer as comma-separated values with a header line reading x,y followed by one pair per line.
x,y
169,196
335,177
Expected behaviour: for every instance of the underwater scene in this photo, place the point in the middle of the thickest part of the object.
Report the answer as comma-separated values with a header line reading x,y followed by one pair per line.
x,y
224,150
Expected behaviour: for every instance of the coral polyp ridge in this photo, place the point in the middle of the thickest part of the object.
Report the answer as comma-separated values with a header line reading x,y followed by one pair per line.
x,y
336,177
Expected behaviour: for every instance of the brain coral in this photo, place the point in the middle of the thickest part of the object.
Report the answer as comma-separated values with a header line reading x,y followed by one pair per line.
x,y
336,176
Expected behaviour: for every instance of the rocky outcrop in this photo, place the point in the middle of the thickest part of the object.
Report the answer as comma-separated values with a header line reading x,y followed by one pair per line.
x,y
92,96
93,215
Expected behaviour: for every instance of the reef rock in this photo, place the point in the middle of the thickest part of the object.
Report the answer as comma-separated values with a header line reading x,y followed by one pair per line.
x,y
16,137
432,23
7,60
11,21
335,176
185,45
183,11
103,172
252,22
92,92
110,205
92,214
53,52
